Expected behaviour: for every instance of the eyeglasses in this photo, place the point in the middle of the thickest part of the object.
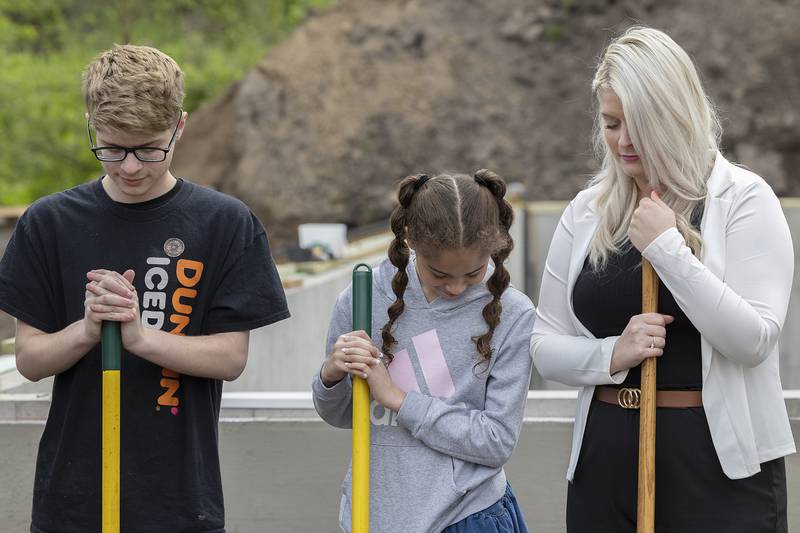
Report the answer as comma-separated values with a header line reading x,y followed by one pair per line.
x,y
145,154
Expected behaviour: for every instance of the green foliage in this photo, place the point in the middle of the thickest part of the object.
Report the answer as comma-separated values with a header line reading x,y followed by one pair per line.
x,y
554,32
45,44
567,4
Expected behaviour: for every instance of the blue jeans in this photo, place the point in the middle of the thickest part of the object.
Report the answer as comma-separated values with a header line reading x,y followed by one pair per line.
x,y
504,516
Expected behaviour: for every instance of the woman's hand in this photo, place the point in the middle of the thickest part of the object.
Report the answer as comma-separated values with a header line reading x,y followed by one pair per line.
x,y
644,336
351,354
652,218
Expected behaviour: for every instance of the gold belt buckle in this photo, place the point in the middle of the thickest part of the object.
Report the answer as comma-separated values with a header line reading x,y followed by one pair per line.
x,y
629,398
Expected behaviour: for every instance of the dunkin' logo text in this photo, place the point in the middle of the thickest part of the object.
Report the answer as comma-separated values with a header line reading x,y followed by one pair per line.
x,y
155,310
434,371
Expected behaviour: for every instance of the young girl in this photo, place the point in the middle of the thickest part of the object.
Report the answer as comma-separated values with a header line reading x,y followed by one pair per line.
x,y
450,379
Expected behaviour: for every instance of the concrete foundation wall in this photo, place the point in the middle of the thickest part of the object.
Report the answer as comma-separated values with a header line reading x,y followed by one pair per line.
x,y
286,476
283,475
284,356
303,336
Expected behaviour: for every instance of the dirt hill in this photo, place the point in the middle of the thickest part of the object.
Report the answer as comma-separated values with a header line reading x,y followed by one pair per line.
x,y
369,91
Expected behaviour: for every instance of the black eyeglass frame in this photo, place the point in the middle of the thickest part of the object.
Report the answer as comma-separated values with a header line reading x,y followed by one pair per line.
x,y
164,151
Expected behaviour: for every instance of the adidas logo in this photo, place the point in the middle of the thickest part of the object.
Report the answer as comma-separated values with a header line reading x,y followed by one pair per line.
x,y
435,377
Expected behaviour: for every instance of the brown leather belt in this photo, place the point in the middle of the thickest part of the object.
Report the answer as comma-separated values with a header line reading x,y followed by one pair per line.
x,y
630,398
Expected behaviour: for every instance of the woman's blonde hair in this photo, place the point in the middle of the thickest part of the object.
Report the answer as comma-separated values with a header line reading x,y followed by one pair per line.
x,y
133,89
672,125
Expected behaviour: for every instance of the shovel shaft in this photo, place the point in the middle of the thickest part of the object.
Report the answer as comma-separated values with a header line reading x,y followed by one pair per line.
x,y
646,505
362,320
112,350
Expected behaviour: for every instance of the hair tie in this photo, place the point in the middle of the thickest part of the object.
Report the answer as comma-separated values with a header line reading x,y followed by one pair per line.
x,y
480,180
421,179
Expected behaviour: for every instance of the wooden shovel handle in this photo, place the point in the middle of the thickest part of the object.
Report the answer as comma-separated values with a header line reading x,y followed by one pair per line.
x,y
646,506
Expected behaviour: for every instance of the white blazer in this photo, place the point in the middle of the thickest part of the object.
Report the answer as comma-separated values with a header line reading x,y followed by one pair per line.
x,y
736,298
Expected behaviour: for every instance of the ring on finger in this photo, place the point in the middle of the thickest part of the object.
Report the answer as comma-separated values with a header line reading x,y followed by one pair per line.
x,y
652,342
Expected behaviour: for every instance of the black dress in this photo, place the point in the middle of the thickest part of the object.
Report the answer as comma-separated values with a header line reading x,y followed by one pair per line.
x,y
693,495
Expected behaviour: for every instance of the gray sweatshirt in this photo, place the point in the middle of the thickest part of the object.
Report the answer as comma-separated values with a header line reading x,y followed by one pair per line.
x,y
440,458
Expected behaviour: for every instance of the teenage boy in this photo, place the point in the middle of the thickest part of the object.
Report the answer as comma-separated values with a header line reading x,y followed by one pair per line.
x,y
186,271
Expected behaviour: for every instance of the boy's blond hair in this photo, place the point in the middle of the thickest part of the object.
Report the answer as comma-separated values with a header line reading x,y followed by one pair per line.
x,y
133,89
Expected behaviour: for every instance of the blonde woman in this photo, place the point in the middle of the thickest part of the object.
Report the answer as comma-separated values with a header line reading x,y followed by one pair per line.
x,y
716,236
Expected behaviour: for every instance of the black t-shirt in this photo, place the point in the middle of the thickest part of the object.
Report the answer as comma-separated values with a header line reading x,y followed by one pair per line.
x,y
203,266
605,301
